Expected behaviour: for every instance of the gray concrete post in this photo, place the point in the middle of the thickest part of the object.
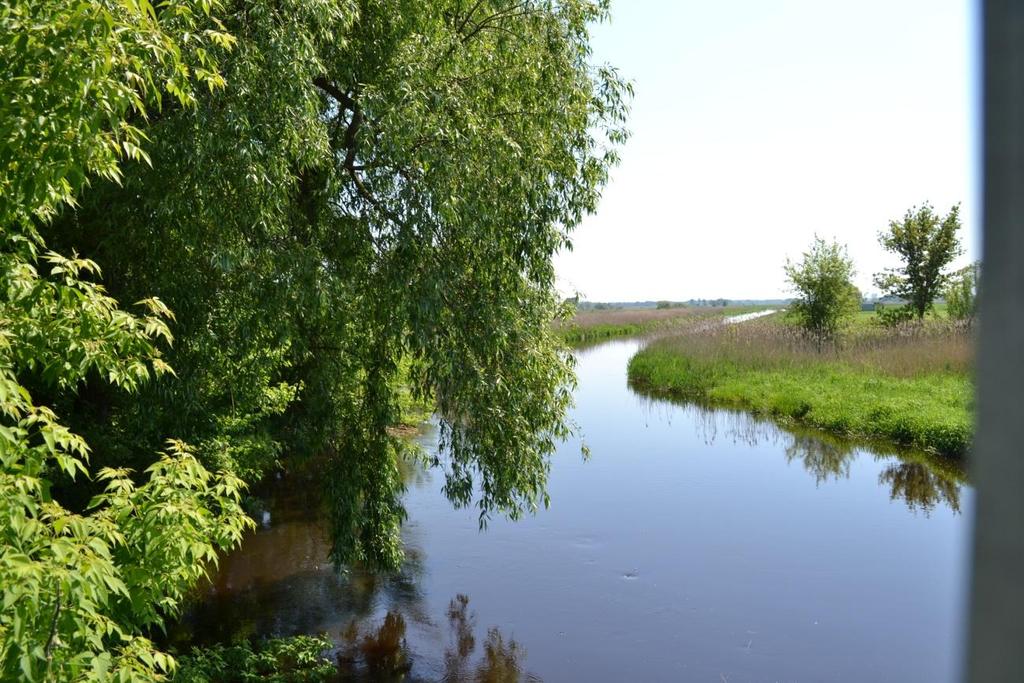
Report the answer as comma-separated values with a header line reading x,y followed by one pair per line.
x,y
996,640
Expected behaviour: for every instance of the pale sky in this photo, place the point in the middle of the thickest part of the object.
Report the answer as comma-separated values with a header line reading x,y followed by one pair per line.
x,y
758,123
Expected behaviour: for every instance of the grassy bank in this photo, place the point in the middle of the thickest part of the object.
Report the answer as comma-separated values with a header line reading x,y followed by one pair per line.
x,y
591,326
910,385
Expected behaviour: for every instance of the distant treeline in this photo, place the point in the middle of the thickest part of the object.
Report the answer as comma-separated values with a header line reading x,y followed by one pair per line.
x,y
696,303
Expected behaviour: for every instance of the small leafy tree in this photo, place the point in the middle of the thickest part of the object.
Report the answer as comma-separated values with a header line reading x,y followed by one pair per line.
x,y
826,297
962,293
927,243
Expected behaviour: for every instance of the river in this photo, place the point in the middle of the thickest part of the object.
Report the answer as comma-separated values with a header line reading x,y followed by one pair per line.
x,y
693,545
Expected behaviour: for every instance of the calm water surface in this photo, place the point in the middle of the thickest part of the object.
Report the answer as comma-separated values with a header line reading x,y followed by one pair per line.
x,y
693,545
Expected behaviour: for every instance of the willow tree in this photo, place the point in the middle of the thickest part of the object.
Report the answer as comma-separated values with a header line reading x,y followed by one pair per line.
x,y
379,183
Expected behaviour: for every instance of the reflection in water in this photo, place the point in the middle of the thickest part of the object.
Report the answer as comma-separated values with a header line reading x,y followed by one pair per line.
x,y
919,479
382,653
501,659
726,585
822,458
284,584
281,583
921,487
379,654
463,627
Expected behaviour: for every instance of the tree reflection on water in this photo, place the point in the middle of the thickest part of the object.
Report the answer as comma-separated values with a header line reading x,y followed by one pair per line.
x,y
921,480
281,583
382,653
920,487
386,627
823,459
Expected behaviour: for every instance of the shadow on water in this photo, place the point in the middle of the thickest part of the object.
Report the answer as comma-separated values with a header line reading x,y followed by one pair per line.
x,y
281,582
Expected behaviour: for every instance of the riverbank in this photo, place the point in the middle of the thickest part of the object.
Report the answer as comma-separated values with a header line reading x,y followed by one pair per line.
x,y
592,326
911,386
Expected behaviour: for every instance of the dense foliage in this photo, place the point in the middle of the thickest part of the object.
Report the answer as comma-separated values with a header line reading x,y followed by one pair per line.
x,y
328,194
291,660
926,244
378,181
83,581
825,294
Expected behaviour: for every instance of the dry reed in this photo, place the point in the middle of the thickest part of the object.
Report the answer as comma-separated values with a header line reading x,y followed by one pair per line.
x,y
910,350
621,317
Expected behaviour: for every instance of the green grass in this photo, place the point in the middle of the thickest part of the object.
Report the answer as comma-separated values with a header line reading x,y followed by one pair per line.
x,y
915,399
939,311
584,335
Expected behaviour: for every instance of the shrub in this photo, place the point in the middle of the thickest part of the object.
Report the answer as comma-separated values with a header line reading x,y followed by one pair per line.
x,y
894,316
280,660
826,297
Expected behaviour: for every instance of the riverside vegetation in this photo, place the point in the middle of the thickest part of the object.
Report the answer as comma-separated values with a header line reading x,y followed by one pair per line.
x,y
902,375
910,384
332,207
335,209
590,326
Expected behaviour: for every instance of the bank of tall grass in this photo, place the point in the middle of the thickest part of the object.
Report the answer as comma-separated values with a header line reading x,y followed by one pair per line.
x,y
911,385
597,325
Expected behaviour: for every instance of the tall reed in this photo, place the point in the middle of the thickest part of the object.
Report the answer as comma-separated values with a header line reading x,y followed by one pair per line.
x,y
910,350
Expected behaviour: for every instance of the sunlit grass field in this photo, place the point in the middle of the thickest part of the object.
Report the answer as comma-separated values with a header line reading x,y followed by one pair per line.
x,y
912,384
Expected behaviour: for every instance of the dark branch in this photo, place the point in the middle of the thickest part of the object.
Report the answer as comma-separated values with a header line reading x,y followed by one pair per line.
x,y
365,193
351,137
343,98
469,15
